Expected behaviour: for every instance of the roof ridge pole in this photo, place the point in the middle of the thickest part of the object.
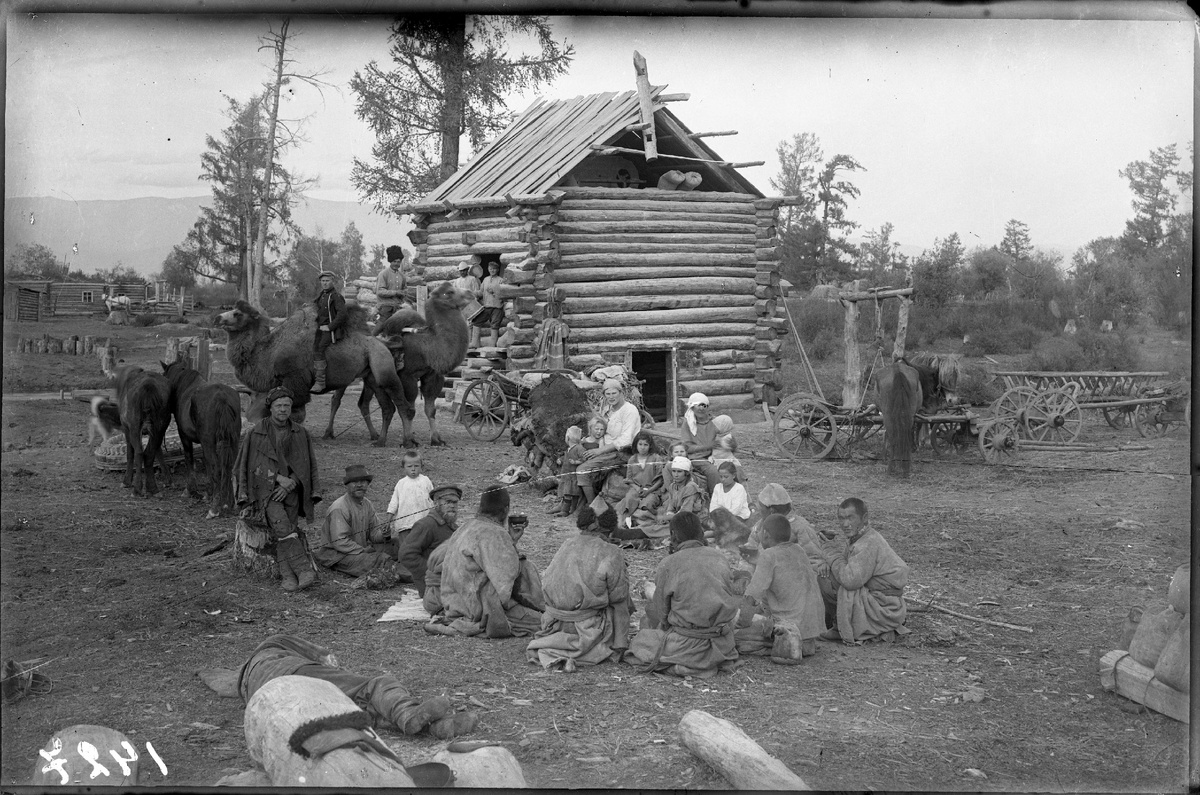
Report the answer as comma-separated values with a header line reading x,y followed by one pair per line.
x,y
649,139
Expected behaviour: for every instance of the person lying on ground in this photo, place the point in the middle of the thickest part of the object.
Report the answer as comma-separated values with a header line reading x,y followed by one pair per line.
x,y
644,476
429,532
487,586
353,540
689,627
384,697
276,479
587,601
783,588
867,578
699,436
410,497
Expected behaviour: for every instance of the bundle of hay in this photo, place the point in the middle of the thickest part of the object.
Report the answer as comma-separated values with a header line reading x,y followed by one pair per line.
x,y
555,405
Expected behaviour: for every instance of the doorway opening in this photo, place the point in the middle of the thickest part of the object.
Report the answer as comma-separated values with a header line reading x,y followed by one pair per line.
x,y
654,369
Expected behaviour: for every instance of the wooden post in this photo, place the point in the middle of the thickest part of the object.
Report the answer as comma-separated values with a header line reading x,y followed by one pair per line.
x,y
646,106
203,359
727,749
852,385
71,343
285,704
181,295
901,328
422,296
172,354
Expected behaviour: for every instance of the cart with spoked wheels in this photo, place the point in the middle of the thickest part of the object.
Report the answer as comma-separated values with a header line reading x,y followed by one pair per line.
x,y
498,398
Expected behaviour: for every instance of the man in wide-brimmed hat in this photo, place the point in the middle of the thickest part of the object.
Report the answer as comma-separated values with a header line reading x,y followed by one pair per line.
x,y
331,319
389,284
353,540
430,532
276,475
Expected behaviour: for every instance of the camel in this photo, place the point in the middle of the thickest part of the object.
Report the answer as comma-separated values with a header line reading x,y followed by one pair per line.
x,y
263,359
423,357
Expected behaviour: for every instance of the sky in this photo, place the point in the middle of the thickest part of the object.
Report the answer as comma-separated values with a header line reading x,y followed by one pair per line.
x,y
960,124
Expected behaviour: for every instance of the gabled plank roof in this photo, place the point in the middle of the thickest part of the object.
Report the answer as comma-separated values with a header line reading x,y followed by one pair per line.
x,y
544,143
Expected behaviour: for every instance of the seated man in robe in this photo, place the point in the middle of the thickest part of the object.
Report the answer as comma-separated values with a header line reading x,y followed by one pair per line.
x,y
774,500
487,587
783,588
353,540
432,598
689,627
587,600
866,580
384,697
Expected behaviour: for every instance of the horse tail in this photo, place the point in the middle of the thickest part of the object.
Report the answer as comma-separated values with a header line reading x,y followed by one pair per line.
x,y
226,434
898,404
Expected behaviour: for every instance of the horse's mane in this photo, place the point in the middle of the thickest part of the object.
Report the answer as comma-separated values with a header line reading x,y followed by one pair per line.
x,y
181,376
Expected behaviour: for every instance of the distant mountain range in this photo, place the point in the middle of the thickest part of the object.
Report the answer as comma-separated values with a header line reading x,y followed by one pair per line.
x,y
139,233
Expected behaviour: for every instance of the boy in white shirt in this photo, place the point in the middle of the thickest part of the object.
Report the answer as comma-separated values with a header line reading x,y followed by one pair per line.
x,y
410,499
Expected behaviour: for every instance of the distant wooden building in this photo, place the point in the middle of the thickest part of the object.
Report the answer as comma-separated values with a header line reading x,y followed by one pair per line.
x,y
678,285
84,298
23,302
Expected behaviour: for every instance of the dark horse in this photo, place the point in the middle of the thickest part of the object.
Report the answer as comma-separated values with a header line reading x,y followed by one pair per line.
x,y
900,395
209,414
143,399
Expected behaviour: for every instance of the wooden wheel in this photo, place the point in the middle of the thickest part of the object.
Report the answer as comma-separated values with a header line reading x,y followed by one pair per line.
x,y
998,440
1119,418
947,437
804,428
1053,416
1014,403
1154,420
647,421
485,411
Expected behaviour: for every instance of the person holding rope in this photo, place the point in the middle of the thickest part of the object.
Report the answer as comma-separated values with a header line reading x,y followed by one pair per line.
x,y
353,540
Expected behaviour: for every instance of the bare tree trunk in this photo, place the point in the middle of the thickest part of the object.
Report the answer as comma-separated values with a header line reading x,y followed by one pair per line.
x,y
451,117
260,245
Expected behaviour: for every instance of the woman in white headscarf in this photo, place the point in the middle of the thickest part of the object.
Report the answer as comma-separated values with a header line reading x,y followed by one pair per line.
x,y
624,422
699,436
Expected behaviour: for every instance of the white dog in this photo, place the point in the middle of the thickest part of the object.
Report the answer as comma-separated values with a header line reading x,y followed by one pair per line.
x,y
105,421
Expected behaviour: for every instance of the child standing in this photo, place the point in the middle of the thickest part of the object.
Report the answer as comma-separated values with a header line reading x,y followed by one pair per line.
x,y
410,499
568,482
729,494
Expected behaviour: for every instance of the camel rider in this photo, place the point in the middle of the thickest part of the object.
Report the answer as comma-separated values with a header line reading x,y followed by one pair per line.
x,y
331,320
389,285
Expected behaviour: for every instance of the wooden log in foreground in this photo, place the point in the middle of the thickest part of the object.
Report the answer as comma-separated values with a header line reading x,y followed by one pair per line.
x,y
493,767
727,749
285,704
1126,676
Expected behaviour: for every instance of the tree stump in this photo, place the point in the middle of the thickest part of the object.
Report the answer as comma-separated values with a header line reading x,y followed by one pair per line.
x,y
108,359
283,705
118,317
89,343
254,552
70,345
727,749
54,346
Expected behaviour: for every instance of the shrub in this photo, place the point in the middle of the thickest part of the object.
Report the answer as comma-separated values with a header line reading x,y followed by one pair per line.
x,y
1058,354
824,345
1107,351
814,315
148,319
977,386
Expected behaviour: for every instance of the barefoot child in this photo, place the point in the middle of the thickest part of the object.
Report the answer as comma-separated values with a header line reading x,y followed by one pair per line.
x,y
410,498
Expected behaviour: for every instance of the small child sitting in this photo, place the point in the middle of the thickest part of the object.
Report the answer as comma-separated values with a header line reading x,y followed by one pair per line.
x,y
725,446
728,493
643,477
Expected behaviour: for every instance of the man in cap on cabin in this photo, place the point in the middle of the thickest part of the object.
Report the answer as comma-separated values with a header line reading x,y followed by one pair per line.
x,y
699,436
691,618
487,587
331,320
276,476
587,600
353,540
430,532
389,284
866,580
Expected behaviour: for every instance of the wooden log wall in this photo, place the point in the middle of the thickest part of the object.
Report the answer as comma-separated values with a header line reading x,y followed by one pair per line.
x,y
633,269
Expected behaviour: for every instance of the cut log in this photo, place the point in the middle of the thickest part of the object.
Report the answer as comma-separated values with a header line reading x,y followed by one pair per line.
x,y
497,221
766,307
772,347
657,343
285,704
901,328
479,205
727,370
671,227
747,239
728,356
651,194
723,386
768,278
665,259
493,767
698,214
624,273
635,302
507,291
656,206
574,249
459,250
1127,677
765,291
514,232
682,317
727,749
666,335
513,276
701,285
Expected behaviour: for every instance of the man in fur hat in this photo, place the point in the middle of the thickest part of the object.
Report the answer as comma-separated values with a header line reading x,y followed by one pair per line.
x,y
430,532
331,319
276,474
353,540
389,285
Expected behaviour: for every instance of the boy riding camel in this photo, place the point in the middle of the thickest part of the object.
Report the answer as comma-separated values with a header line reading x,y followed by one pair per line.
x,y
331,319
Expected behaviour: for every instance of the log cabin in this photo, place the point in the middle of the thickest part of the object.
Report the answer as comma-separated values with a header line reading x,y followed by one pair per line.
x,y
679,285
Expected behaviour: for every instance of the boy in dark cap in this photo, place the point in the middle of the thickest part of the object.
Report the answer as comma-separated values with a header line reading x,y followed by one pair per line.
x,y
331,319
389,285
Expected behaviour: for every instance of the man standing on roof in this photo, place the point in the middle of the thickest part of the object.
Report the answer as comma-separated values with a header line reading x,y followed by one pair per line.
x,y
389,285
331,319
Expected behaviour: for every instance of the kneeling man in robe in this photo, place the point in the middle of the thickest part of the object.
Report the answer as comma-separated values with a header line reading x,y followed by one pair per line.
x,y
866,580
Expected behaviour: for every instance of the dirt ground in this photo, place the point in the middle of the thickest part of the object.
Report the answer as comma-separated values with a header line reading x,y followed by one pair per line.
x,y
116,593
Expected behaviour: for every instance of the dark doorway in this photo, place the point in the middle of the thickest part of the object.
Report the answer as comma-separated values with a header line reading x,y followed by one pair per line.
x,y
654,367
